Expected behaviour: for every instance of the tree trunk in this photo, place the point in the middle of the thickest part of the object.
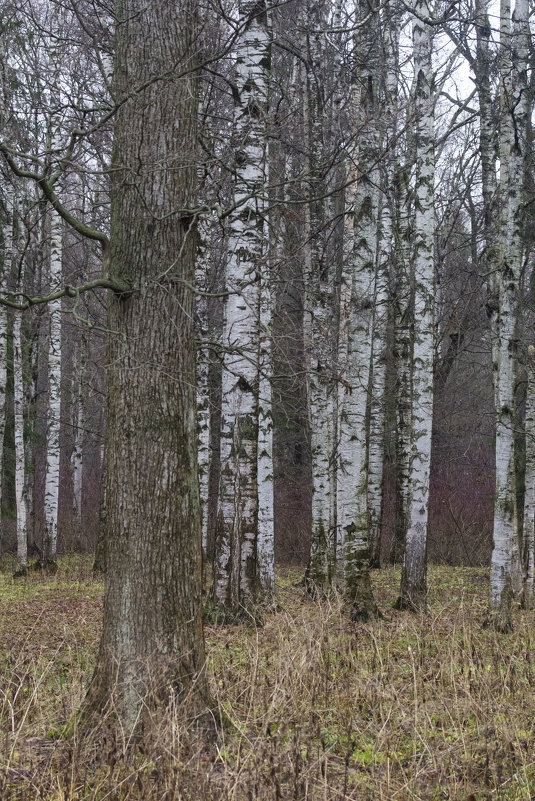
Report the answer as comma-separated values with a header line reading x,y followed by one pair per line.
x,y
151,653
528,529
318,318
240,576
203,375
20,459
413,593
353,475
54,394
7,264
505,578
79,426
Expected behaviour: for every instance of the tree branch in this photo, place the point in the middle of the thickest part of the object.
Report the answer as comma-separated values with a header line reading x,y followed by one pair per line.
x,y
7,298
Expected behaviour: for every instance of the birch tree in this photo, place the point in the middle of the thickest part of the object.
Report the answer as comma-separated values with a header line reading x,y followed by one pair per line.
x,y
244,559
353,476
319,331
18,407
514,48
397,178
54,392
6,267
528,529
413,592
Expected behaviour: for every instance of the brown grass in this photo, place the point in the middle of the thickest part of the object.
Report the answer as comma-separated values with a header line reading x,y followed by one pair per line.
x,y
428,707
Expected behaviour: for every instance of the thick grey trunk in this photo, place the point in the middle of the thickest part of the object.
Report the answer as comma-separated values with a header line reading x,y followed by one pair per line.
x,y
151,652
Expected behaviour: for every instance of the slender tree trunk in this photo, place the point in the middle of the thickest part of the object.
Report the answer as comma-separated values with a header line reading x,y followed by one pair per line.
x,y
79,426
318,319
413,592
397,179
353,477
54,338
384,279
54,395
377,384
505,563
528,530
6,267
203,378
20,459
265,537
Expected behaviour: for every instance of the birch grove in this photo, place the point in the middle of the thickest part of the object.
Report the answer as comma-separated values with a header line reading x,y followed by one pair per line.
x,y
362,292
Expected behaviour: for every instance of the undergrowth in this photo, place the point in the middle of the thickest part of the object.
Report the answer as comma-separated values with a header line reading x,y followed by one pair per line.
x,y
408,707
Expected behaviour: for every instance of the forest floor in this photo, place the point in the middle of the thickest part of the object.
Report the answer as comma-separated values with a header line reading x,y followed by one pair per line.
x,y
409,707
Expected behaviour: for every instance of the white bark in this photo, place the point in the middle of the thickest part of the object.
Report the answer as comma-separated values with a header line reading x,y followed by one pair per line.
x,y
203,388
377,384
20,457
528,531
414,574
7,264
395,180
317,323
265,536
317,329
79,425
54,392
239,575
54,342
354,524
505,562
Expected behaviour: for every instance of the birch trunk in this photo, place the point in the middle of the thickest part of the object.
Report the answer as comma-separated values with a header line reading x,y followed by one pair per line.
x,y
54,339
203,382
54,394
18,424
378,381
514,45
79,425
385,278
6,268
353,476
240,578
318,329
413,593
528,530
396,178
266,528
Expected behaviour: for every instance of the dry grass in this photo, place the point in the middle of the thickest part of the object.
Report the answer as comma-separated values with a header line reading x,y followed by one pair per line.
x,y
426,707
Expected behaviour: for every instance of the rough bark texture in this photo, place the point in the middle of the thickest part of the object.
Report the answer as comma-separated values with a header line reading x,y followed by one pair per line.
x,y
152,651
